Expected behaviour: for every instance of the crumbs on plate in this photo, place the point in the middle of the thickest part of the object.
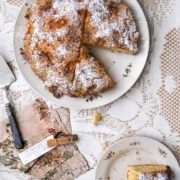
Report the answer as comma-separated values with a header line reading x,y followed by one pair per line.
x,y
127,70
91,98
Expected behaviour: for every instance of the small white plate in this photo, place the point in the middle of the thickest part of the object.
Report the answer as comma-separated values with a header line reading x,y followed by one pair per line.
x,y
114,163
115,63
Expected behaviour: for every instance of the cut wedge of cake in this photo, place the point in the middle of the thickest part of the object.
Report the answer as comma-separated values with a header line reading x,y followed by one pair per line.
x,y
90,76
148,172
111,25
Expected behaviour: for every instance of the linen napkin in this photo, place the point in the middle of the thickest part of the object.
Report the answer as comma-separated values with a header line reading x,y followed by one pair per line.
x,y
36,122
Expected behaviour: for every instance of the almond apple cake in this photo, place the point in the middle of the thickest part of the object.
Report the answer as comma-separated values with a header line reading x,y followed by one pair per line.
x,y
148,172
56,39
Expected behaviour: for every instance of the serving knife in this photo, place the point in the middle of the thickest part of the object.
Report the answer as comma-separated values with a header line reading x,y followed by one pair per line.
x,y
6,79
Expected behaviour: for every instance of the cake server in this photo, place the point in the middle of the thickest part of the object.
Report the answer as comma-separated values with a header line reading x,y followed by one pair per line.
x,y
6,78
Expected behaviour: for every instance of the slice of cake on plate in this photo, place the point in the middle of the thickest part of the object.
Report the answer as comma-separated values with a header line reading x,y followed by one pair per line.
x,y
148,172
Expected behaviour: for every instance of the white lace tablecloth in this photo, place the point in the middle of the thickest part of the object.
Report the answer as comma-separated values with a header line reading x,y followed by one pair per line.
x,y
151,108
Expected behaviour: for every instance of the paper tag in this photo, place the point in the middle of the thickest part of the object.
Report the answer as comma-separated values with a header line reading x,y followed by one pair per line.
x,y
35,151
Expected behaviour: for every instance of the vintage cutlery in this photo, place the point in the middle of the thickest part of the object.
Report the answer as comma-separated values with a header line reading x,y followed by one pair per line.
x,y
6,78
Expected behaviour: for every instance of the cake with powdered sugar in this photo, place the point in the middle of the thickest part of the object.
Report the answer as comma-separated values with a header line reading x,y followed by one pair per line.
x,y
111,25
148,172
56,39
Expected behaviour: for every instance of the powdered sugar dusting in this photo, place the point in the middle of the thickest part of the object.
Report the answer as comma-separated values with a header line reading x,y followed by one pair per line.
x,y
87,75
54,78
61,9
106,25
158,176
98,10
67,8
61,50
40,36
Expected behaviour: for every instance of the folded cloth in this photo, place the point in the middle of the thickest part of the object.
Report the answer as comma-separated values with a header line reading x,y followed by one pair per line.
x,y
36,122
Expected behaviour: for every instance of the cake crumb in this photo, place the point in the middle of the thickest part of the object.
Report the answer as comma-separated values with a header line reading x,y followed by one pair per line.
x,y
91,98
97,117
28,13
127,70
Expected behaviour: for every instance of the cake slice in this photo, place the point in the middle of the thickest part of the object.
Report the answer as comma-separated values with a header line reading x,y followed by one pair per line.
x,y
148,172
90,76
111,25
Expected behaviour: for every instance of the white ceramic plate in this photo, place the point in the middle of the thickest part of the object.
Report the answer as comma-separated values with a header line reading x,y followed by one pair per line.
x,y
115,63
114,163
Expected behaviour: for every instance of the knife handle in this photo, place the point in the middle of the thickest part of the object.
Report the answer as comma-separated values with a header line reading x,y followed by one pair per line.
x,y
17,138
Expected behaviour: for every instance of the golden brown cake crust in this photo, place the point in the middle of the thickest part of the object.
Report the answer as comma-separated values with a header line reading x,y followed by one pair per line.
x,y
53,45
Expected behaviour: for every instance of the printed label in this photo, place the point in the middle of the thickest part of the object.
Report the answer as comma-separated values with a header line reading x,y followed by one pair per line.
x,y
35,151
